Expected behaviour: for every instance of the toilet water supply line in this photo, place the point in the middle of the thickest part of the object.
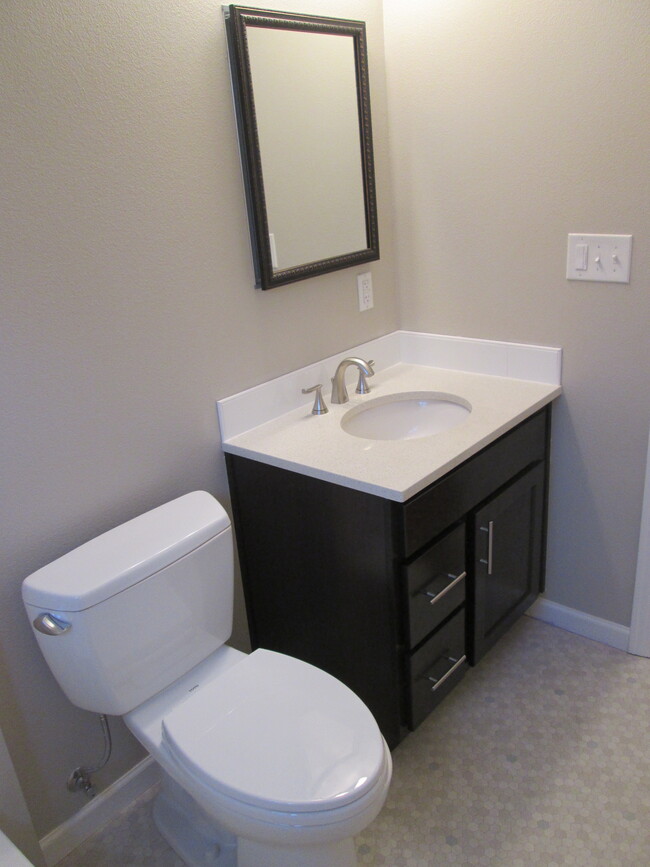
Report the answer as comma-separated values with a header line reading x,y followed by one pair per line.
x,y
79,780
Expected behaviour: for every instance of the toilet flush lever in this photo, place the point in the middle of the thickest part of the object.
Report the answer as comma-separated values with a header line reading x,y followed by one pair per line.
x,y
48,624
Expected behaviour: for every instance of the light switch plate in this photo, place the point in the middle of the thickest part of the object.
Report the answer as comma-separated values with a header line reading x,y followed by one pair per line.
x,y
599,258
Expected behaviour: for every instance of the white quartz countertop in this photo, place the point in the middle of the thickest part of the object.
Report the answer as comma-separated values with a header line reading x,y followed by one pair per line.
x,y
317,446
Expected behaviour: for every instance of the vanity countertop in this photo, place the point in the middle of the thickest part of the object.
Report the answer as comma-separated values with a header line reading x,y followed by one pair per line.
x,y
317,446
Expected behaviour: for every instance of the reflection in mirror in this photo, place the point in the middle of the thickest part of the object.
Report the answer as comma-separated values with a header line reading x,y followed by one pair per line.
x,y
303,111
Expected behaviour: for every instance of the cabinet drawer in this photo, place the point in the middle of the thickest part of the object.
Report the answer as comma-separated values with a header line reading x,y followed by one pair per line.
x,y
435,584
436,668
430,512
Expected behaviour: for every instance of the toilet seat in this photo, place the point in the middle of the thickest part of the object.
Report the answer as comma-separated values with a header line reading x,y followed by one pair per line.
x,y
277,733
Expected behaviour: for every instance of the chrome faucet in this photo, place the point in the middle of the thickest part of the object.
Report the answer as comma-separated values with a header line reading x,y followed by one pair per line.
x,y
339,391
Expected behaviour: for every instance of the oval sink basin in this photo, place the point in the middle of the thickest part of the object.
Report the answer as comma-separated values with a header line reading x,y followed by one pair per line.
x,y
406,416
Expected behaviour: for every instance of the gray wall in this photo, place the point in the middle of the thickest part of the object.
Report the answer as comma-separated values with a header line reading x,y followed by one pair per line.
x,y
512,124
128,306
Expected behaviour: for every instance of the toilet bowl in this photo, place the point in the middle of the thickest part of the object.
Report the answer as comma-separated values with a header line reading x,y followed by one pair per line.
x,y
274,752
267,761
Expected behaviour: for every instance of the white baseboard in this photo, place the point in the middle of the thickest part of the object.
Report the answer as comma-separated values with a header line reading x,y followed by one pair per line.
x,y
583,624
99,812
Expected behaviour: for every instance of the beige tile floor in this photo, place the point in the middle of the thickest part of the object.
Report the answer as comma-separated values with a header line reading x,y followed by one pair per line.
x,y
540,758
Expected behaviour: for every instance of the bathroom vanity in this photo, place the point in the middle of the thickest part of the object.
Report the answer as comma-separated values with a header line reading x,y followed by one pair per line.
x,y
395,599
395,592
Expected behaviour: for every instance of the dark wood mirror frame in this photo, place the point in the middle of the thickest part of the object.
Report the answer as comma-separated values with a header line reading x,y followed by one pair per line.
x,y
238,19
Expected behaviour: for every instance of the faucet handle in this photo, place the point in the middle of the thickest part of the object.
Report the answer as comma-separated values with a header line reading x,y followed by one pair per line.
x,y
319,407
362,385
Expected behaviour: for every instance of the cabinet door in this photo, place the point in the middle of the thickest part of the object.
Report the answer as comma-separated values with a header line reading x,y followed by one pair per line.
x,y
508,534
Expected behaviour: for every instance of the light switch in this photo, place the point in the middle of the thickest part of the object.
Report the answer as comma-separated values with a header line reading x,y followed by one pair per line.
x,y
582,257
602,258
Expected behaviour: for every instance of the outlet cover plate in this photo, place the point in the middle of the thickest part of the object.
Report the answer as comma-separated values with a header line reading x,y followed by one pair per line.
x,y
364,288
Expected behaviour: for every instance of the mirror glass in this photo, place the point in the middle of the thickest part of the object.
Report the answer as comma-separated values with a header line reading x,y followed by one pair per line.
x,y
303,111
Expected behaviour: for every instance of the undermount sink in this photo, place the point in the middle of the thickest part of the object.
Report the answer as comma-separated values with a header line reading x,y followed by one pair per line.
x,y
406,416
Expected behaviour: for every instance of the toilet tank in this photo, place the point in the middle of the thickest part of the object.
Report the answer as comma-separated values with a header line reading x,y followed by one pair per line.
x,y
137,607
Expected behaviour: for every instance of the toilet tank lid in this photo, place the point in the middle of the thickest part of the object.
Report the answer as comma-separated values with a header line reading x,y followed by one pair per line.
x,y
126,554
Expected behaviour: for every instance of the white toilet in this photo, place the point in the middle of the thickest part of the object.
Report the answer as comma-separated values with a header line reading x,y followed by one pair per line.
x,y
267,761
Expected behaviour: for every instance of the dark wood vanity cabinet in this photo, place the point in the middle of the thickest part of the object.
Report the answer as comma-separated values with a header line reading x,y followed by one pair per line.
x,y
394,599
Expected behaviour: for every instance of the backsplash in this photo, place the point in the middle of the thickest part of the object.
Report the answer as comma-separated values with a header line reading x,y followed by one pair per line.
x,y
247,409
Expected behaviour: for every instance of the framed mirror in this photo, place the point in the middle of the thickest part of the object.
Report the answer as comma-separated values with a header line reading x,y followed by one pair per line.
x,y
302,101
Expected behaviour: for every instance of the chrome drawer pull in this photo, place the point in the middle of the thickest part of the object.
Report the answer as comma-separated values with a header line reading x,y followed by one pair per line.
x,y
437,682
435,597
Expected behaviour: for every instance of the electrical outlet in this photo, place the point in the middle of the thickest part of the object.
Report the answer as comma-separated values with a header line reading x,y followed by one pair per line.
x,y
364,287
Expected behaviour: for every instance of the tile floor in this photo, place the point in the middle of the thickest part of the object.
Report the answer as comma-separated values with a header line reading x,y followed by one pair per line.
x,y
540,758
